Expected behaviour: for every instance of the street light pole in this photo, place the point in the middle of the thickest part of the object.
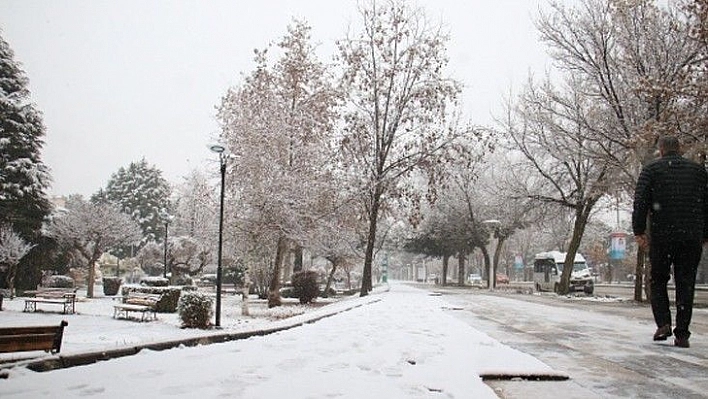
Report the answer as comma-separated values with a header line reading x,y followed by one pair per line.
x,y
222,164
165,218
164,267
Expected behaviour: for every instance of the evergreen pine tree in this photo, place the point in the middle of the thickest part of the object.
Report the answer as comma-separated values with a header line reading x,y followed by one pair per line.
x,y
23,176
141,192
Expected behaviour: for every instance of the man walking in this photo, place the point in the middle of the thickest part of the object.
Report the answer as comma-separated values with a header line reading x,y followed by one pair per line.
x,y
672,191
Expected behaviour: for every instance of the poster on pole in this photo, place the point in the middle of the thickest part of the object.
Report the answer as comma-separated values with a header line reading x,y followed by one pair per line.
x,y
618,245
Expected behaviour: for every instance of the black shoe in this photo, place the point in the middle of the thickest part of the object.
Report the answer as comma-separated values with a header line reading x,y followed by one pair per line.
x,y
681,342
662,333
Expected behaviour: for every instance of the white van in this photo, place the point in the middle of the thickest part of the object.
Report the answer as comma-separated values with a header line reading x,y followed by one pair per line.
x,y
548,267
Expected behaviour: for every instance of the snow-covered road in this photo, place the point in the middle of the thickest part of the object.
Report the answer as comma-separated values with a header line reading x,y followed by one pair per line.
x,y
605,346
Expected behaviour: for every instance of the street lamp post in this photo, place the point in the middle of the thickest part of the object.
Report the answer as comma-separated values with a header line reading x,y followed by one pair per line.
x,y
166,218
222,164
164,269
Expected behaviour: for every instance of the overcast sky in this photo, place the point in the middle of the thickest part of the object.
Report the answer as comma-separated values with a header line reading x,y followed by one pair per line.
x,y
122,80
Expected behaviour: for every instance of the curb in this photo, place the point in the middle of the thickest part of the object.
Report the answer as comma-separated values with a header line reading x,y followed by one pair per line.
x,y
65,361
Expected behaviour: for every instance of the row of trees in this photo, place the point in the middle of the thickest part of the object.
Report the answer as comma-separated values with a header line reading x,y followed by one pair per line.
x,y
126,218
347,143
331,159
627,74
624,74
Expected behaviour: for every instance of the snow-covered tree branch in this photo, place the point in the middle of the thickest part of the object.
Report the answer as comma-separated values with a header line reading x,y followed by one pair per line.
x,y
92,229
12,249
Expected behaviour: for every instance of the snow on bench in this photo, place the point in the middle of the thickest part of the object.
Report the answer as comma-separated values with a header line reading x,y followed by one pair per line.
x,y
137,302
53,296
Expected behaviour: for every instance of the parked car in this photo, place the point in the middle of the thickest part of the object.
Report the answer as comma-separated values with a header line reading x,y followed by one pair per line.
x,y
502,278
475,279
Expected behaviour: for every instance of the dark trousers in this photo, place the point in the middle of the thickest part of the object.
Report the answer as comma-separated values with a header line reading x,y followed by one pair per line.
x,y
684,256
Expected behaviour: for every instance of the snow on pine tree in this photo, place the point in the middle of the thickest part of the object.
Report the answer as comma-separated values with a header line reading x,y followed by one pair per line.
x,y
23,176
141,192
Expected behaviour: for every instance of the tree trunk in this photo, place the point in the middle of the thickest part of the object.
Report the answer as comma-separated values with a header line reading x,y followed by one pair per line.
x,y
639,274
92,258
445,261
487,266
10,279
91,279
297,265
608,272
366,283
330,277
495,260
244,295
274,288
581,219
461,269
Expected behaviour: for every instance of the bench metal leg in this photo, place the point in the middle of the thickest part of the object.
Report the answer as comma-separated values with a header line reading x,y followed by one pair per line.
x,y
30,306
69,308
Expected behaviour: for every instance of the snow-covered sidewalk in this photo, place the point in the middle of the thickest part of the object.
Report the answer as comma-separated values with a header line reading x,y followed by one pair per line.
x,y
402,343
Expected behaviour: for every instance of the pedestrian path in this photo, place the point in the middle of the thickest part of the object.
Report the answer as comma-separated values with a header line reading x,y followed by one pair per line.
x,y
404,345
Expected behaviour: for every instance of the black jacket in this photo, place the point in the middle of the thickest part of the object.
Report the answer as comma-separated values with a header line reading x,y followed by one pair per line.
x,y
673,191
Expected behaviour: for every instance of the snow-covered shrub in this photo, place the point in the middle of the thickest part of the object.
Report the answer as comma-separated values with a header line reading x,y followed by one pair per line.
x,y
60,282
152,281
195,309
183,280
288,291
111,285
305,285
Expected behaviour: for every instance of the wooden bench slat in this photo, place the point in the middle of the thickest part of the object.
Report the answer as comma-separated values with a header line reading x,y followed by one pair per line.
x,y
53,297
27,330
25,346
42,300
18,343
137,302
130,306
32,338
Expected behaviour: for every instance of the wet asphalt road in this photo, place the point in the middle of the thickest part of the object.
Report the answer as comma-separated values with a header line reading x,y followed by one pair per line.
x,y
586,340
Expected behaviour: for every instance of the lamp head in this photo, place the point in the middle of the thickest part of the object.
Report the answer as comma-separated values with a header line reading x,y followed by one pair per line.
x,y
217,148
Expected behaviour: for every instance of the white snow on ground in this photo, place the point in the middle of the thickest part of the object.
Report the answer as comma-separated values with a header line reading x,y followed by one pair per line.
x,y
400,343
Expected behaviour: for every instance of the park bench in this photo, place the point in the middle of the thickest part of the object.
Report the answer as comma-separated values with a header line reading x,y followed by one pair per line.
x,y
22,339
145,304
53,296
229,289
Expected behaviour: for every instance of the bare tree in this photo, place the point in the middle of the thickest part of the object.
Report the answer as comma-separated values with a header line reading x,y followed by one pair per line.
x,y
397,101
640,65
92,229
185,255
549,129
336,237
12,249
195,208
289,106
